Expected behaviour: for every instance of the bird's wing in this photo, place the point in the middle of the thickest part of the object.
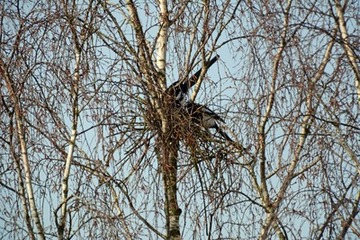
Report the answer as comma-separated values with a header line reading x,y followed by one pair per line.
x,y
211,113
176,90
207,118
202,111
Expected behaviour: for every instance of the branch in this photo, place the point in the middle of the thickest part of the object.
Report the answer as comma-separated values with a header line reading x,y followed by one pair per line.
x,y
199,76
19,118
348,50
161,43
75,116
351,218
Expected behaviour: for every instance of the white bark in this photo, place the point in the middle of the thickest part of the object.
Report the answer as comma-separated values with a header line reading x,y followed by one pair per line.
x,y
346,45
161,44
304,132
73,133
24,153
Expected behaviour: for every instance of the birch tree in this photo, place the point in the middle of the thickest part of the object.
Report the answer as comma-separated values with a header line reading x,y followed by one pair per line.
x,y
94,146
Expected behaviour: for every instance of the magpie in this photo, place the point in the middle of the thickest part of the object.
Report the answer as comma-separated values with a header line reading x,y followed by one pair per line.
x,y
180,89
205,117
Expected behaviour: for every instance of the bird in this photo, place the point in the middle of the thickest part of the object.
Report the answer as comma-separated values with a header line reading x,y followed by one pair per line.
x,y
205,117
180,88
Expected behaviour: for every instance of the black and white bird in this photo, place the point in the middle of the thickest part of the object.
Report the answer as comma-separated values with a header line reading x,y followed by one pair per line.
x,y
180,89
205,117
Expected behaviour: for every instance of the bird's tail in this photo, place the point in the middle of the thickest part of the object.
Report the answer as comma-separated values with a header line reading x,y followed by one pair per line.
x,y
227,138
223,134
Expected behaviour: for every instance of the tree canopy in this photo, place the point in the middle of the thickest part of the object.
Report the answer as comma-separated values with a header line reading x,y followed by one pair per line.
x,y
92,145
